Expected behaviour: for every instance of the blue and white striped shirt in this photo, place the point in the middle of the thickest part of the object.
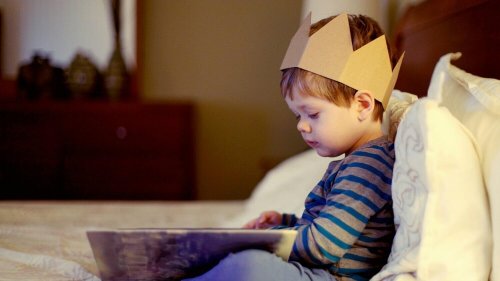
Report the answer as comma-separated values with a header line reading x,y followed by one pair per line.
x,y
348,223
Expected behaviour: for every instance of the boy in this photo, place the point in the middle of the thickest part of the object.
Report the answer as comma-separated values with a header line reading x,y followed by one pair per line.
x,y
337,91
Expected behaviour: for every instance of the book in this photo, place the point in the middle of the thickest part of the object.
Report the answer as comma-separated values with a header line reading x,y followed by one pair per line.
x,y
175,254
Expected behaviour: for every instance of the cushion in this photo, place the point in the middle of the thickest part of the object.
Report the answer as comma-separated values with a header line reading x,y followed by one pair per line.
x,y
440,204
475,101
398,105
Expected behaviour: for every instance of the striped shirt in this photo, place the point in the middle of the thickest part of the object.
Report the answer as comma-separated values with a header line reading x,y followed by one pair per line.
x,y
348,223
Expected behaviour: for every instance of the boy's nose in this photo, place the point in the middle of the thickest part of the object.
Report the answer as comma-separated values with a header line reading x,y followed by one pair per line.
x,y
303,127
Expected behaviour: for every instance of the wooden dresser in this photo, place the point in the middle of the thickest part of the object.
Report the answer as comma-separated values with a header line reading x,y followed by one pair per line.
x,y
96,150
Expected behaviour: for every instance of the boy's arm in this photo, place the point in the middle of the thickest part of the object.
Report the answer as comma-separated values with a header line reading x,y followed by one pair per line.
x,y
287,221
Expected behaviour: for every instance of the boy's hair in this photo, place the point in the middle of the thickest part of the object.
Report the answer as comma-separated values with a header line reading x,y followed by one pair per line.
x,y
363,30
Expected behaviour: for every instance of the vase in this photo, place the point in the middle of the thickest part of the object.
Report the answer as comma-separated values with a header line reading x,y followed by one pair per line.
x,y
116,80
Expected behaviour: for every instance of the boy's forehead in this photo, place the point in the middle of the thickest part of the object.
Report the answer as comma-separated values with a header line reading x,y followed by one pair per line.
x,y
296,92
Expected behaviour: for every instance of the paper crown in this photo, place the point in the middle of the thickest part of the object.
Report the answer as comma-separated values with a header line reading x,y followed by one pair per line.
x,y
329,53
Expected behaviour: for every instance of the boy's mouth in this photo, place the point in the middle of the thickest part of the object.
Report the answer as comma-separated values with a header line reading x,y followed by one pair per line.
x,y
312,144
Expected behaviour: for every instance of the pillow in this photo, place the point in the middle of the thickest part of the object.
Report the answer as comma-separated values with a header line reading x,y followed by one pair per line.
x,y
440,204
398,105
475,101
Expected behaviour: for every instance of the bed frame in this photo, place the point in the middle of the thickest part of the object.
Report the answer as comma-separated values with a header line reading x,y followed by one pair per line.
x,y
435,27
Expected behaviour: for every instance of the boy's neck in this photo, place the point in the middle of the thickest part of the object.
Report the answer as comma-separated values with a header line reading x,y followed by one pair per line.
x,y
371,133
374,132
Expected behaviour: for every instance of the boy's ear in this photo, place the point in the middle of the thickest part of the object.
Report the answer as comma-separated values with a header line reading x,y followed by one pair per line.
x,y
365,104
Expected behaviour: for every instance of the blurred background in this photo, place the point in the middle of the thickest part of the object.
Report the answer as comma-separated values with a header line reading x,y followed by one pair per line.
x,y
221,58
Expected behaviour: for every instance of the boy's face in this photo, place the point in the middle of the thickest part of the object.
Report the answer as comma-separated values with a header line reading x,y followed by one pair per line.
x,y
329,129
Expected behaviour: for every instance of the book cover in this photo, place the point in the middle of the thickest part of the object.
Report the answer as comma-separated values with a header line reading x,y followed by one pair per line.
x,y
174,254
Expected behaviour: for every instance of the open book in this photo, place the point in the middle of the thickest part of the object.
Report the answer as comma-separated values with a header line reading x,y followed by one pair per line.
x,y
174,254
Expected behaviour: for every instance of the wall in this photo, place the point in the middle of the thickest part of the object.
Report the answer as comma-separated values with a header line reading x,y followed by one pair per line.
x,y
225,55
60,28
377,9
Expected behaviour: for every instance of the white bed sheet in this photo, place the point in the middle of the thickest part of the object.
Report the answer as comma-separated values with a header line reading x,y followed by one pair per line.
x,y
46,240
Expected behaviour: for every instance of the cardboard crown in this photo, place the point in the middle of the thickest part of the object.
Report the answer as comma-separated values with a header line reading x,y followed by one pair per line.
x,y
329,53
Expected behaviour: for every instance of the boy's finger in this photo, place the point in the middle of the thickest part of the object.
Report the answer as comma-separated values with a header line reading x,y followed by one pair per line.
x,y
262,218
250,224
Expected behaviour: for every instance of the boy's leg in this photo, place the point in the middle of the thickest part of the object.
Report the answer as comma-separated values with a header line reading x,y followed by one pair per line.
x,y
257,265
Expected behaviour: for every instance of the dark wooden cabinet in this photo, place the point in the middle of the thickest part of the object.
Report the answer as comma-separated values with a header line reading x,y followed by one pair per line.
x,y
96,150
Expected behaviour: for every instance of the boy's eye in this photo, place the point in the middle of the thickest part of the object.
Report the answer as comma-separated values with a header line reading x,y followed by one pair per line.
x,y
313,116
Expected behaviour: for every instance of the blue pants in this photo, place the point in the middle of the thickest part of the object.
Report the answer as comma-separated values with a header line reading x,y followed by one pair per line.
x,y
257,265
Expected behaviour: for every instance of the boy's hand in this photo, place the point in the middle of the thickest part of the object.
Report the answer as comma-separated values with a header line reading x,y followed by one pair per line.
x,y
266,220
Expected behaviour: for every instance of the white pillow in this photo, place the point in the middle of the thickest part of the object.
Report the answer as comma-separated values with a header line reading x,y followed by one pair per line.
x,y
475,101
398,105
440,203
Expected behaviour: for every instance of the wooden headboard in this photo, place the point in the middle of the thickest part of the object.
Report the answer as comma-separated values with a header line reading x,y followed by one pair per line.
x,y
437,27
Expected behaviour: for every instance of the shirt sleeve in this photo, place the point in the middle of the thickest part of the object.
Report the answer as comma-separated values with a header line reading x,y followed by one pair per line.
x,y
340,207
289,220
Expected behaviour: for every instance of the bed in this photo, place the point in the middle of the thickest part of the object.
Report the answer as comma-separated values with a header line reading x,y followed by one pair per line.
x,y
46,240
445,187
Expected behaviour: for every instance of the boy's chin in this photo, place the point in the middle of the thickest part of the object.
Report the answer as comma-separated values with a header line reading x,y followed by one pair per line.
x,y
324,153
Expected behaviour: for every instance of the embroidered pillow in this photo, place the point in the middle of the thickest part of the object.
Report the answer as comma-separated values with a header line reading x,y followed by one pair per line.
x,y
440,204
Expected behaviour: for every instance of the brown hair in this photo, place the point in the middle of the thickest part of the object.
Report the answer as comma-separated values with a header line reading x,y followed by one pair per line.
x,y
363,30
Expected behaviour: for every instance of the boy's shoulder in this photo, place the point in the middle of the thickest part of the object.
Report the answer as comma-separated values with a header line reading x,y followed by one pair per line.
x,y
376,152
371,165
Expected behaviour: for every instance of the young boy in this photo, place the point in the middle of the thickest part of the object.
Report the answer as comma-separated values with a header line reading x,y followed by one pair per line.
x,y
336,80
